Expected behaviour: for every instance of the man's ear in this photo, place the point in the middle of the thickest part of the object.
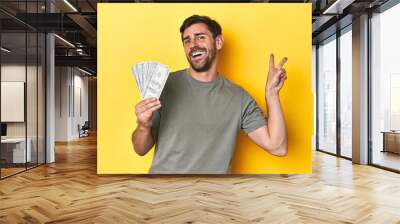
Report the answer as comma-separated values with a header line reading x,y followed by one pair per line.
x,y
219,42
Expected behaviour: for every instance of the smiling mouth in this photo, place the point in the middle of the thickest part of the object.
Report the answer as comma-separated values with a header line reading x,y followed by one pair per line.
x,y
197,54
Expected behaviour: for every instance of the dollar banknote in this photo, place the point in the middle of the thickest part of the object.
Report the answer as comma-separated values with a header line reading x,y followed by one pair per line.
x,y
150,78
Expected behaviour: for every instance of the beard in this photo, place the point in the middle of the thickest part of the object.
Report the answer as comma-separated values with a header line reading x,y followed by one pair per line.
x,y
206,63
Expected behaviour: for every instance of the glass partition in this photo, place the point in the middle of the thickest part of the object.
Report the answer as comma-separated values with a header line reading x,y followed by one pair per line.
x,y
22,77
14,154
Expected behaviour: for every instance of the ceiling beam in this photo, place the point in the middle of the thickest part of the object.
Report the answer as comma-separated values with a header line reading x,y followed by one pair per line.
x,y
84,24
84,61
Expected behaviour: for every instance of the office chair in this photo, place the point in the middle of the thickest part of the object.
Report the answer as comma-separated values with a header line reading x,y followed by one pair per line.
x,y
84,130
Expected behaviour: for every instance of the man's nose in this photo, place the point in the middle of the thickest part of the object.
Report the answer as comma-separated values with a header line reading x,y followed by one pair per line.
x,y
193,43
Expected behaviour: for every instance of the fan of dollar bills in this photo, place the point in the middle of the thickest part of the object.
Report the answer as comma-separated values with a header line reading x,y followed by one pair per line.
x,y
150,78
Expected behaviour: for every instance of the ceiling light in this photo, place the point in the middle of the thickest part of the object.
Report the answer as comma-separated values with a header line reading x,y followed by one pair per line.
x,y
65,41
70,5
84,71
5,50
338,6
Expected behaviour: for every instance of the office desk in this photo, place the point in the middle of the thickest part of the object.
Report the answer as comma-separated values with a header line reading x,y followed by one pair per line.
x,y
391,141
16,148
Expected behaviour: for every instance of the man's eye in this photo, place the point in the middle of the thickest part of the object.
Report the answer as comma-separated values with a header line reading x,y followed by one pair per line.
x,y
186,41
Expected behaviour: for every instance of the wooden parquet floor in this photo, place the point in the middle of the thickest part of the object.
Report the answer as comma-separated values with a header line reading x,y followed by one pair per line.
x,y
70,191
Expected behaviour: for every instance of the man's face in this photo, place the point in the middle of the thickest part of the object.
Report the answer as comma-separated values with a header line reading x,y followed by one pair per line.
x,y
200,47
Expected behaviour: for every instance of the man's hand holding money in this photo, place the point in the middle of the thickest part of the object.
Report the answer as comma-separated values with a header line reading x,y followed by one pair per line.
x,y
144,112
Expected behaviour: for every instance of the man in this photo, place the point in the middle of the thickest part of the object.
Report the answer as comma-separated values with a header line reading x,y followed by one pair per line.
x,y
199,115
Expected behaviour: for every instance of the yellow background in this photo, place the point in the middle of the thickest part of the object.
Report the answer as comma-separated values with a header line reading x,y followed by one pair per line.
x,y
130,33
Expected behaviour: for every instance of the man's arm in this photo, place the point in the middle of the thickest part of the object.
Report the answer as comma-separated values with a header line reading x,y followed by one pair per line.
x,y
272,136
142,139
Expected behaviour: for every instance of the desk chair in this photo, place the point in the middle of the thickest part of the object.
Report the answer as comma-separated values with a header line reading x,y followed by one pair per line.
x,y
84,130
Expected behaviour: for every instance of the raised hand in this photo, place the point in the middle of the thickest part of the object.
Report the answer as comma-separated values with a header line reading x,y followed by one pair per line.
x,y
144,111
276,76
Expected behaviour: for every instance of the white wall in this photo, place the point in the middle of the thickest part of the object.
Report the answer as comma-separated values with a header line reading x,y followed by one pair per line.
x,y
62,81
81,103
16,73
71,102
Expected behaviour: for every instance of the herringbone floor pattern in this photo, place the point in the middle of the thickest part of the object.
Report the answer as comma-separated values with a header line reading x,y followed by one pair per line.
x,y
70,191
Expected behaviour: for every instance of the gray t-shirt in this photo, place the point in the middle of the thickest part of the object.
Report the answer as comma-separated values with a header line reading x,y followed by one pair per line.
x,y
198,123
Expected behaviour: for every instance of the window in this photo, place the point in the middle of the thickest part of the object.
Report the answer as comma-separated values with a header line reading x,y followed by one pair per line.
x,y
346,93
327,96
385,88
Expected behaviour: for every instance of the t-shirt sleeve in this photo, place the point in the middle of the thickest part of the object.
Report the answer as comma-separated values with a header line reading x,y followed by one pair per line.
x,y
252,116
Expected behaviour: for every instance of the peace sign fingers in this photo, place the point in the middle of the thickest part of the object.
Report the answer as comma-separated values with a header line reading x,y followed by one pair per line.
x,y
276,75
282,62
271,62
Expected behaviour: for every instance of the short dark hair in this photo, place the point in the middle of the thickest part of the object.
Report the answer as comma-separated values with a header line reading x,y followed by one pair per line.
x,y
211,24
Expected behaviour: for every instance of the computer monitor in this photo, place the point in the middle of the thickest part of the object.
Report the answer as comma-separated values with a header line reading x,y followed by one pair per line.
x,y
3,129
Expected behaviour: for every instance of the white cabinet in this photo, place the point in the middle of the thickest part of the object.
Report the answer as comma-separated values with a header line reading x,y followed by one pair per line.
x,y
17,146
